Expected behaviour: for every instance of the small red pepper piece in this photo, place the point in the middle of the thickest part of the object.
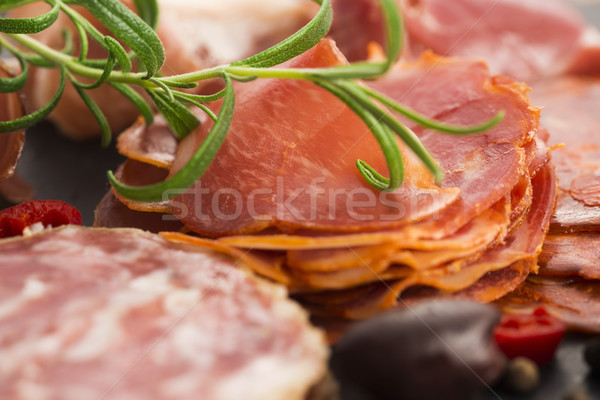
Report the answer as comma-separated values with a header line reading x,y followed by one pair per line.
x,y
535,336
49,212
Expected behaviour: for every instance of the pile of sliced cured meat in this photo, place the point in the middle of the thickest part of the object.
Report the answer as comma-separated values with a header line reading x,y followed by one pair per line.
x,y
548,45
284,186
568,279
90,313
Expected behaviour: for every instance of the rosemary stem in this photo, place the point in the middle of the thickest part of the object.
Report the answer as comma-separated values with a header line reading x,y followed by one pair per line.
x,y
72,63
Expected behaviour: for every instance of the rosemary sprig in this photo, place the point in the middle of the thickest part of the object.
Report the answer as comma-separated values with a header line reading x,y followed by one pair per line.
x,y
137,34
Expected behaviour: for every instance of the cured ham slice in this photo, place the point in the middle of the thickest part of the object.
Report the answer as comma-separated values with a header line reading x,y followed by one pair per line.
x,y
356,24
572,254
522,39
155,145
300,174
570,117
574,300
566,283
125,314
293,170
111,213
196,34
492,286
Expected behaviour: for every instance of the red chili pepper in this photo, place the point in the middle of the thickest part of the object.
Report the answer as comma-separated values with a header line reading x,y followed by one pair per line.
x,y
49,212
535,336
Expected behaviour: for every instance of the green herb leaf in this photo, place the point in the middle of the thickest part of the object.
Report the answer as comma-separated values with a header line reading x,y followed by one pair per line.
x,y
148,11
431,123
7,5
30,25
298,43
176,84
68,38
382,134
401,130
131,30
199,97
9,85
119,53
373,177
181,120
108,68
38,115
136,99
394,32
201,106
197,165
98,114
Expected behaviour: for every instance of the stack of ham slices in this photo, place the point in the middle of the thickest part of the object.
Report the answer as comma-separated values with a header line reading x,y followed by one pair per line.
x,y
568,281
284,186
124,314
549,45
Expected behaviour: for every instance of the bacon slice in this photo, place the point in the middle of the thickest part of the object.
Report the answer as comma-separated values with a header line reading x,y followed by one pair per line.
x,y
517,38
87,313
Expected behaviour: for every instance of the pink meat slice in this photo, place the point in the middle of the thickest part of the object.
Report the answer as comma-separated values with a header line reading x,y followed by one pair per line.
x,y
524,39
485,166
122,314
570,115
571,254
356,24
154,144
574,300
111,213
289,161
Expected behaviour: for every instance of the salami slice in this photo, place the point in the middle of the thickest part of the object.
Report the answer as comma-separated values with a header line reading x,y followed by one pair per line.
x,y
122,314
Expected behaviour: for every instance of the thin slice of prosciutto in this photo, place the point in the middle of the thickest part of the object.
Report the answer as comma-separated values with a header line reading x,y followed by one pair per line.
x,y
289,162
301,175
567,281
90,313
570,116
524,39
